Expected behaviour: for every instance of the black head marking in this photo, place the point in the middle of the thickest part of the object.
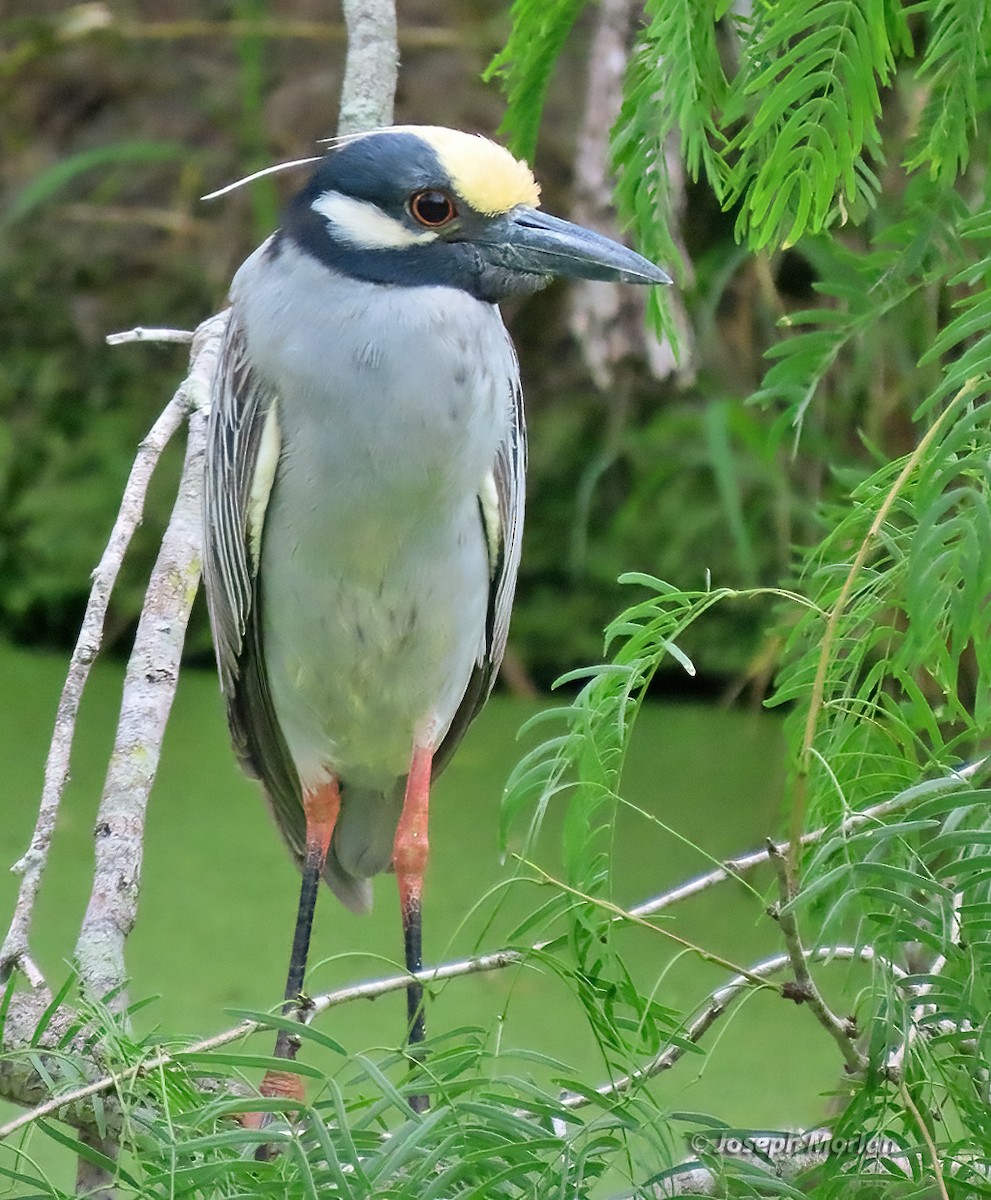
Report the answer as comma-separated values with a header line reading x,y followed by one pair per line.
x,y
385,169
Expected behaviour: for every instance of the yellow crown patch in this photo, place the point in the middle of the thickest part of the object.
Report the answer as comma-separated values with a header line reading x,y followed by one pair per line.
x,y
483,173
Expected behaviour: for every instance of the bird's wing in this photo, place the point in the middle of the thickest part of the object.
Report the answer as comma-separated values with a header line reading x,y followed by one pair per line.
x,y
500,506
242,455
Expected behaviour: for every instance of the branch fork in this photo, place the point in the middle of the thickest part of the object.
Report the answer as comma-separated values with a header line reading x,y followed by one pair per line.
x,y
804,989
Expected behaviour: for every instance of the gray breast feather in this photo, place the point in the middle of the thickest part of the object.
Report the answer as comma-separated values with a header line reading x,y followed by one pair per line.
x,y
235,503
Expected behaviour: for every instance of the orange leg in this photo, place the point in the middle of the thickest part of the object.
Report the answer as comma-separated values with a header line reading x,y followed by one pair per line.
x,y
321,806
409,856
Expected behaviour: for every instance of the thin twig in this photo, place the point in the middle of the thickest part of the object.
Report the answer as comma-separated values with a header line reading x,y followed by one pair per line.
x,y
31,972
806,991
622,914
141,216
280,29
707,1015
894,1066
149,689
927,1138
365,991
497,961
733,867
140,334
817,697
15,949
716,1006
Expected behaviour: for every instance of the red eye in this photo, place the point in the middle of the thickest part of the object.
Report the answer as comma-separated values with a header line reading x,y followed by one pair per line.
x,y
432,208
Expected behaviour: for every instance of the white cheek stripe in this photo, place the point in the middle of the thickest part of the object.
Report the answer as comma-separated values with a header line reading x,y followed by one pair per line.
x,y
365,225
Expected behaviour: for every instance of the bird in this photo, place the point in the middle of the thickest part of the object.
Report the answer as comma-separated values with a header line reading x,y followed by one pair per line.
x,y
363,500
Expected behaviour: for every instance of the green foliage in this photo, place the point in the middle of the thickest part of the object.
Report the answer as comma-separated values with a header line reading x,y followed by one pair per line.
x,y
853,135
49,183
808,105
491,1132
894,674
794,138
956,70
527,61
70,424
854,132
100,218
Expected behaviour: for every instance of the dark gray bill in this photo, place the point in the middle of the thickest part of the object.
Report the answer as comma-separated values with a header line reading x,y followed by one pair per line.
x,y
528,240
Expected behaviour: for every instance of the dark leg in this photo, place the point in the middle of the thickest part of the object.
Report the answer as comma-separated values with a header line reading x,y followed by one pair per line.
x,y
410,859
321,807
412,937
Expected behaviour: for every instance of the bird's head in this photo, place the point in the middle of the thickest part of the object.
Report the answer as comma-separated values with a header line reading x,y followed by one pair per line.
x,y
416,205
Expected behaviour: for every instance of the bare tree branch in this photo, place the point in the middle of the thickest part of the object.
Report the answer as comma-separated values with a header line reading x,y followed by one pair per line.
x,y
59,1060
711,1010
608,320
149,688
140,334
623,914
99,19
733,867
805,990
369,90
707,1015
717,1005
15,949
363,991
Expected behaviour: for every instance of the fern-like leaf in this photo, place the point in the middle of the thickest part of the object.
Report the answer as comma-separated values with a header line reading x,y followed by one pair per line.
x,y
808,102
956,71
526,63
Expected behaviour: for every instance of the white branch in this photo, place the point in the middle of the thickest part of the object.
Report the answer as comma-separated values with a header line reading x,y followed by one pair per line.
x,y
710,1011
718,1003
733,867
707,1015
15,949
372,67
149,688
149,335
363,991
608,320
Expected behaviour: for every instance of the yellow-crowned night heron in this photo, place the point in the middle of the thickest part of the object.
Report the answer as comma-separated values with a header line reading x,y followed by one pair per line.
x,y
364,493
